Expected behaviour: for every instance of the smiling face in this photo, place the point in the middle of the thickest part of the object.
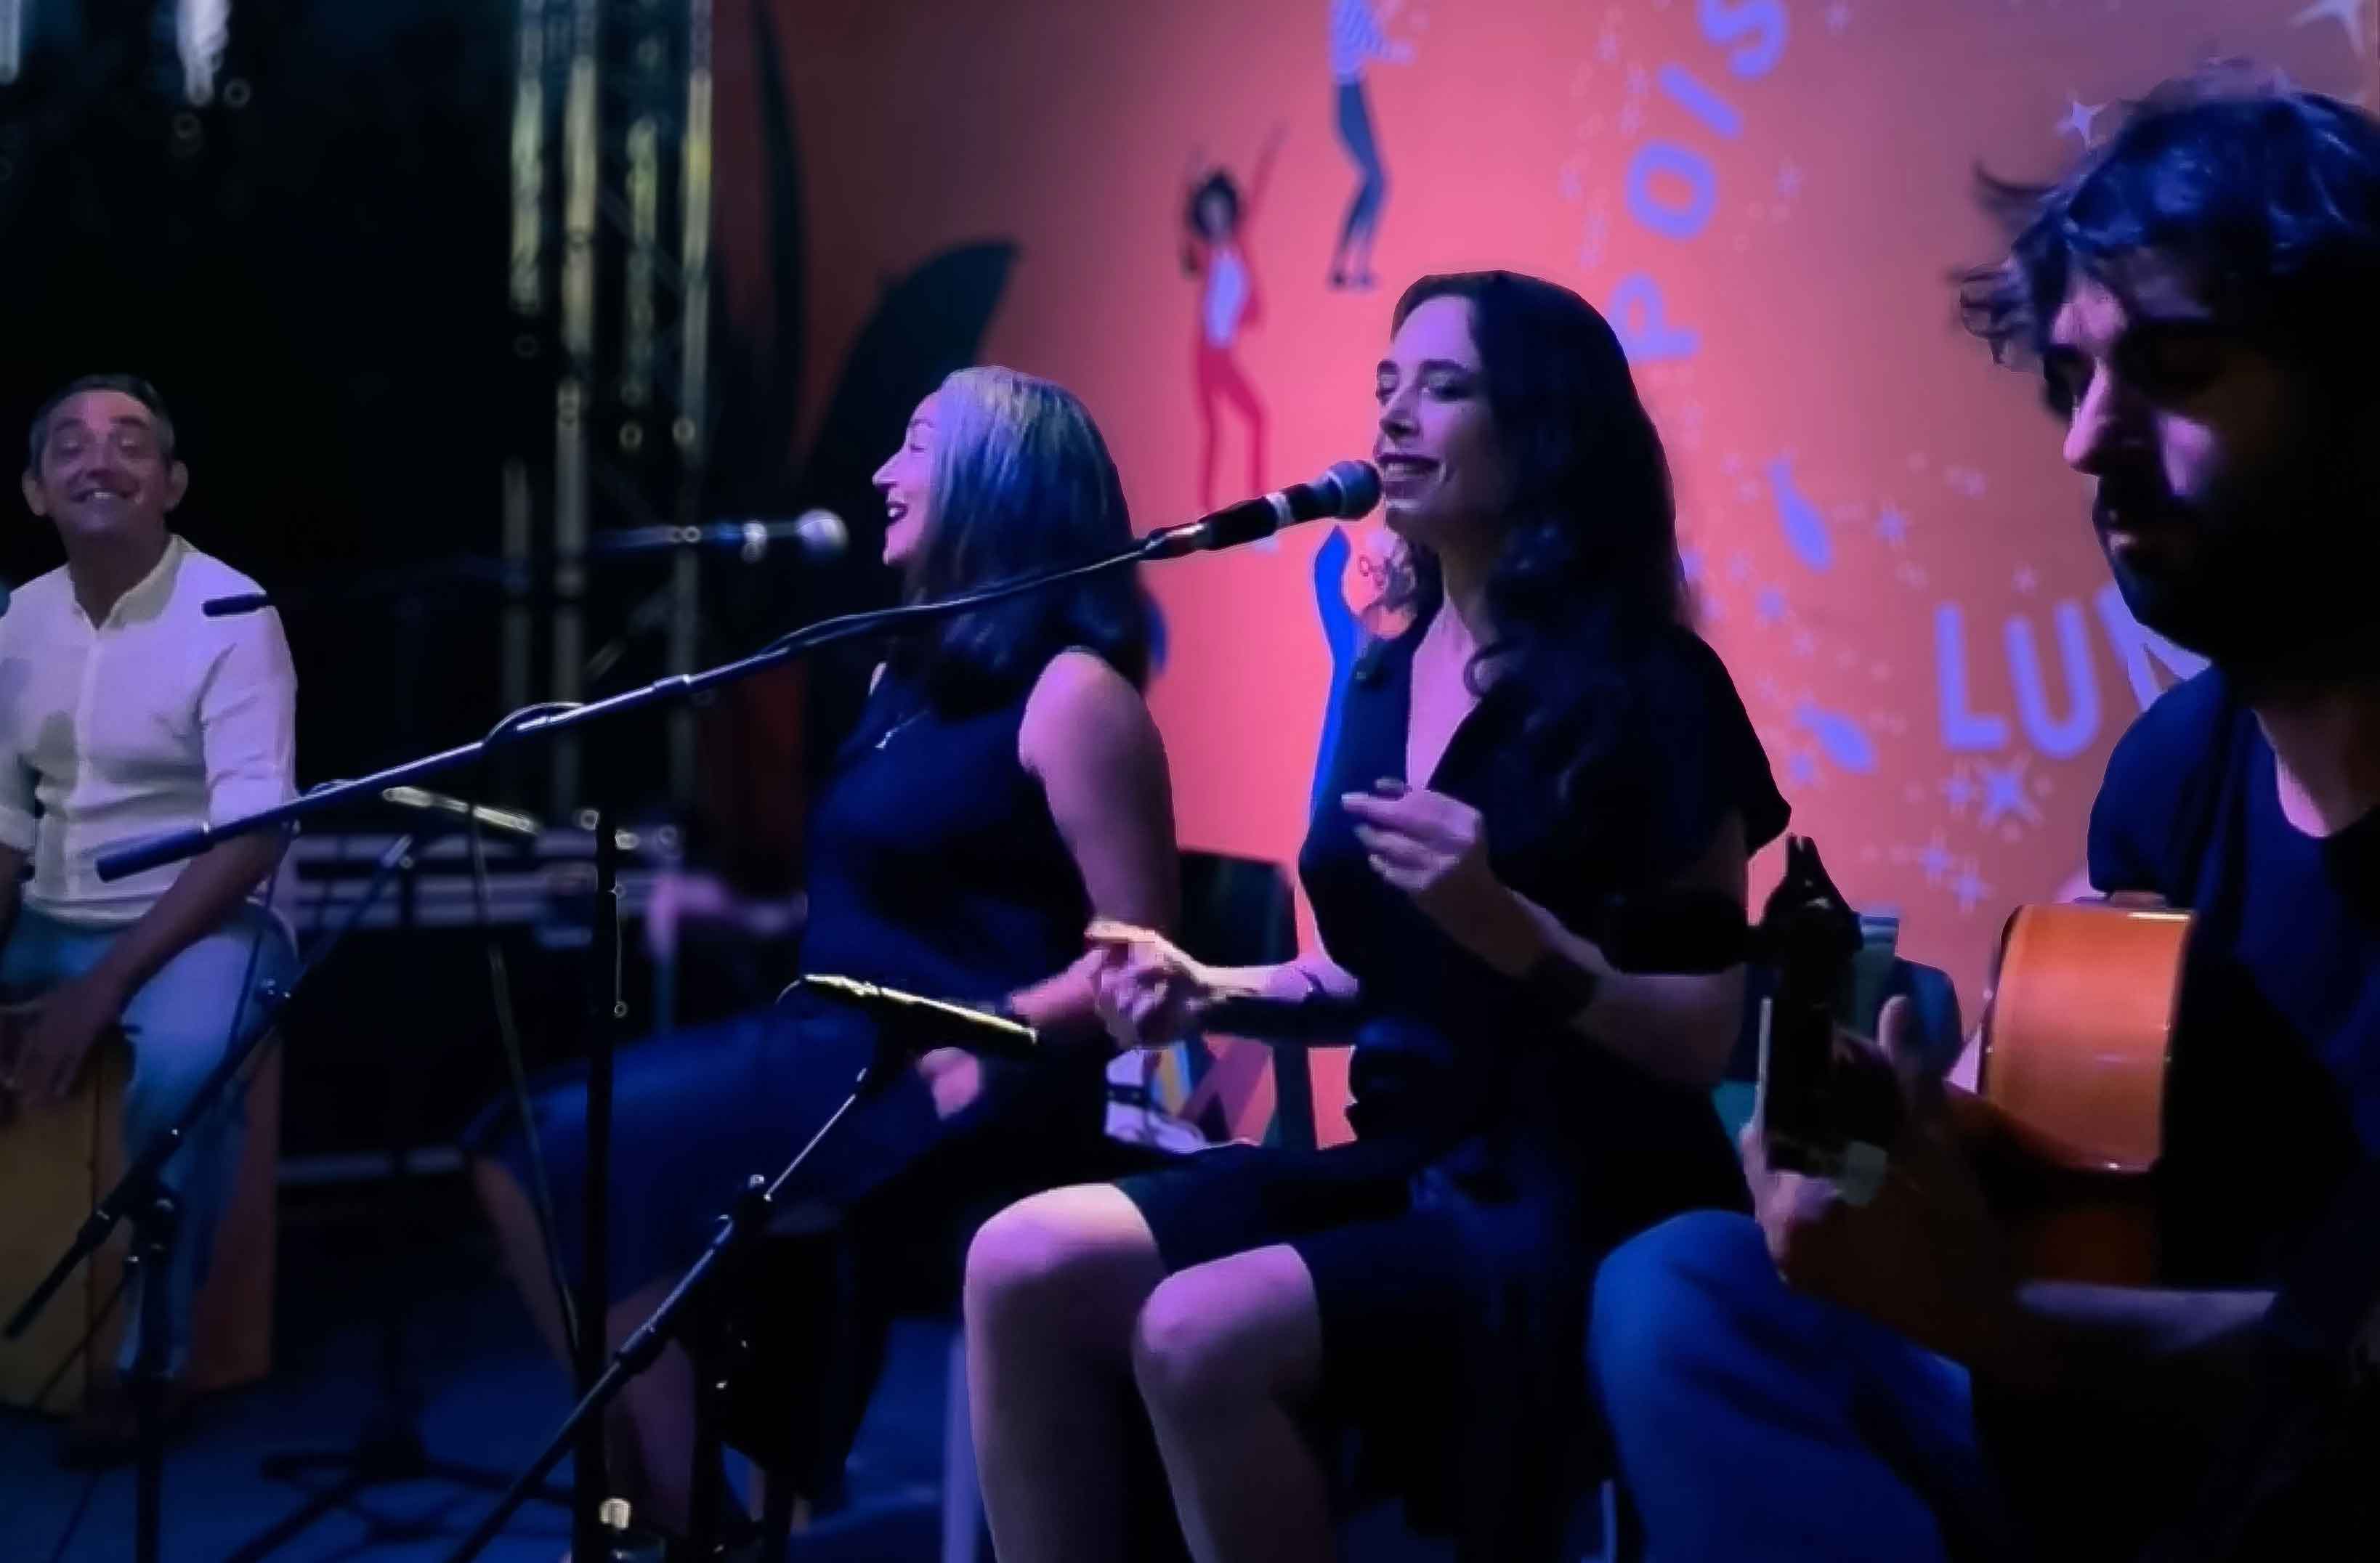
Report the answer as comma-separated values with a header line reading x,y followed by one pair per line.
x,y
1443,477
906,481
103,473
2226,489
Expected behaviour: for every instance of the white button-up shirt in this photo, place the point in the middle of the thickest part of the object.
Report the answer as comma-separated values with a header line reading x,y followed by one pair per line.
x,y
158,720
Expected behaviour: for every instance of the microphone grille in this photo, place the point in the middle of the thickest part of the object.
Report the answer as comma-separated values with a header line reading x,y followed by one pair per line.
x,y
1356,485
822,534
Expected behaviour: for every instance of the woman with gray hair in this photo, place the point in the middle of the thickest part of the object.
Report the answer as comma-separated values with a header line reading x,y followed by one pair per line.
x,y
1004,785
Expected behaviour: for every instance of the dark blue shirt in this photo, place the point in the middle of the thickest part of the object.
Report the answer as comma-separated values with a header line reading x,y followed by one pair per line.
x,y
935,865
1453,1049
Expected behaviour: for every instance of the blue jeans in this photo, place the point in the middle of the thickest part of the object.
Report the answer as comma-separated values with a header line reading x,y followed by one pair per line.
x,y
179,1026
1752,1422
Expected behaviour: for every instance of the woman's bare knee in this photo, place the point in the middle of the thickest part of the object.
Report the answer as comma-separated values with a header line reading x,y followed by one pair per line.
x,y
1222,1335
1072,1264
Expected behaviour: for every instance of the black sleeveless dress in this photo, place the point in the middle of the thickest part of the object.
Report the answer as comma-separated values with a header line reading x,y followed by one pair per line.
x,y
935,867
1497,1155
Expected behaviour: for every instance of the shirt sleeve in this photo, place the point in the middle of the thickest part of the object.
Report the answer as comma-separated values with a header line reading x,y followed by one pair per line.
x,y
247,721
2114,854
15,805
2140,821
16,830
1713,764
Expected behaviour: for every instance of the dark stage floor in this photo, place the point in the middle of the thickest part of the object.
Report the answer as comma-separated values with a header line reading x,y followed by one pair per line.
x,y
489,1398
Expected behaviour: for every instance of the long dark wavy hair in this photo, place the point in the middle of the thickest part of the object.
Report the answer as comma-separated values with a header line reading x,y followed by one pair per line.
x,y
2265,197
1022,482
1589,575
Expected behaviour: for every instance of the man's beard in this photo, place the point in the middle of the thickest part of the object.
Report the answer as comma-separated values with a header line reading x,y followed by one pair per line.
x,y
2277,581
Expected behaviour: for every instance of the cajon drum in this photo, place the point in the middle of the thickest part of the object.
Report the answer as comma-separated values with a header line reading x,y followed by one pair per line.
x,y
56,1161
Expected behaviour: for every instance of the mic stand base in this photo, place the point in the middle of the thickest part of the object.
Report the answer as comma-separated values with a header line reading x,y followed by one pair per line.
x,y
384,1454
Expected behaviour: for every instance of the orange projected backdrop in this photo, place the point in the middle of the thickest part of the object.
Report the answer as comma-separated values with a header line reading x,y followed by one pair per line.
x,y
1767,197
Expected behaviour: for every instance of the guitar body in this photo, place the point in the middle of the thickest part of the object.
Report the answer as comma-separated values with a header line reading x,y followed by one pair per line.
x,y
2067,1122
2077,1035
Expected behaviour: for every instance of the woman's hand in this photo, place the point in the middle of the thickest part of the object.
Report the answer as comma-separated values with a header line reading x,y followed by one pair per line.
x,y
1143,998
1435,849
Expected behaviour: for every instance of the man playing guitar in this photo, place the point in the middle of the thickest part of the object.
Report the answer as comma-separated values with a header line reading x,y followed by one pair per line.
x,y
2203,296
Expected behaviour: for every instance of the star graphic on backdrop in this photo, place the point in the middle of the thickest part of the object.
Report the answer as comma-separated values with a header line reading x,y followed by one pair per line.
x,y
1891,526
2348,14
2079,118
1770,606
1838,16
1804,644
1935,858
1969,889
2025,580
2004,794
1958,790
1789,181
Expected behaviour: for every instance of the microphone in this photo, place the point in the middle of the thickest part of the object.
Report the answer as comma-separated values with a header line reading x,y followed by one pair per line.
x,y
818,537
504,820
979,1031
1348,489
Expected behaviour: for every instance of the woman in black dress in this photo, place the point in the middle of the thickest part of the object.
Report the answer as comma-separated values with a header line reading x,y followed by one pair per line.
x,y
1005,785
1546,742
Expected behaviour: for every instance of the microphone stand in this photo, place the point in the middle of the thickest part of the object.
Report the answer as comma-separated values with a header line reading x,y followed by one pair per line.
x,y
606,1005
142,1196
721,1265
389,1445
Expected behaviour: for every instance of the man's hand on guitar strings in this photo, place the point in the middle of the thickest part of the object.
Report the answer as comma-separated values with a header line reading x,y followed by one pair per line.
x,y
1925,1257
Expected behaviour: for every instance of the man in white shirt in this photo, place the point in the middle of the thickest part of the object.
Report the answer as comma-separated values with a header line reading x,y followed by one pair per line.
x,y
126,713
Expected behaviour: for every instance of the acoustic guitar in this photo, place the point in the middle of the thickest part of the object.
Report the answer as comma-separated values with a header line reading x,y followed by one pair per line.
x,y
2066,1122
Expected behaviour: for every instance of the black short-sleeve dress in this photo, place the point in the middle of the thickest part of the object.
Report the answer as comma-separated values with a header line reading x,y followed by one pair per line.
x,y
1498,1154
